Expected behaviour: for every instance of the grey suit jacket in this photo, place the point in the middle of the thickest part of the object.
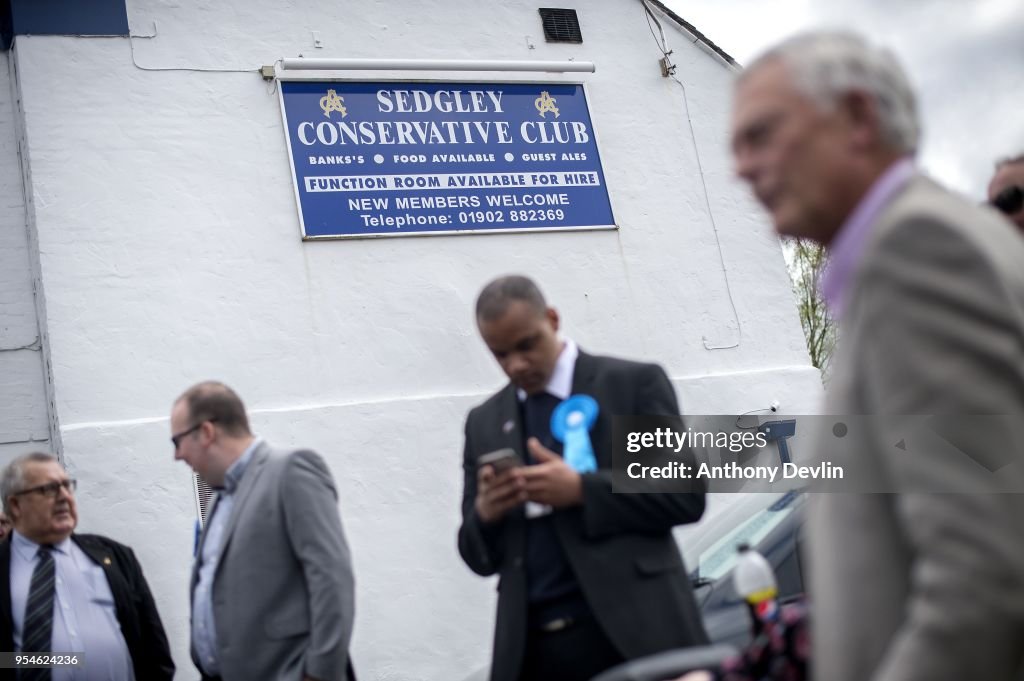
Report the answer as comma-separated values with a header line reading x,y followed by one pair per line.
x,y
283,591
917,585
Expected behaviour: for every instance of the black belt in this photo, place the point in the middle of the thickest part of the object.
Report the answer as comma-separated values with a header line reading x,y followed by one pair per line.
x,y
559,614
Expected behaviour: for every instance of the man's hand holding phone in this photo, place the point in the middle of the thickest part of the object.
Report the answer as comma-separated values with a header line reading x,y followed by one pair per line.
x,y
500,484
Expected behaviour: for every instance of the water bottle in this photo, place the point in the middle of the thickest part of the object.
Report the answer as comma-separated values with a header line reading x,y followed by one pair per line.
x,y
755,583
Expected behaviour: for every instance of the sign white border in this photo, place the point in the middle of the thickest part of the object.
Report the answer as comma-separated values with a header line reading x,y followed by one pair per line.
x,y
459,232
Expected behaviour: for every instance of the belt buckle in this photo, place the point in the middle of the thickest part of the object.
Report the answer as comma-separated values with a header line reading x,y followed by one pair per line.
x,y
557,625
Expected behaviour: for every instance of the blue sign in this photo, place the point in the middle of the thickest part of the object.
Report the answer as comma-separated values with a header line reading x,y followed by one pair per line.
x,y
406,158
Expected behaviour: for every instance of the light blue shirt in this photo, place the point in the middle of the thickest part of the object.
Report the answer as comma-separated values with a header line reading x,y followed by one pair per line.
x,y
84,614
204,631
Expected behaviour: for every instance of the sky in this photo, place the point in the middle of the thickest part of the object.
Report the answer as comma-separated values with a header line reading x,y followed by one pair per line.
x,y
965,59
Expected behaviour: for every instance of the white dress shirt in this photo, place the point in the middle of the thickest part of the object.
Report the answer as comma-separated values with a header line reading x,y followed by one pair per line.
x,y
559,385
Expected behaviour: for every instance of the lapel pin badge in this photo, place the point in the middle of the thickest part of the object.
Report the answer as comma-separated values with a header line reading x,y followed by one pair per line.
x,y
508,426
106,560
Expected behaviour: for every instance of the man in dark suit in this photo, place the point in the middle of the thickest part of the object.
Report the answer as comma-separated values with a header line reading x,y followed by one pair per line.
x,y
588,578
105,608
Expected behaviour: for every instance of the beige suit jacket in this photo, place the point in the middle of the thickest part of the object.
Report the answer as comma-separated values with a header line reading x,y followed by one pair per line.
x,y
915,585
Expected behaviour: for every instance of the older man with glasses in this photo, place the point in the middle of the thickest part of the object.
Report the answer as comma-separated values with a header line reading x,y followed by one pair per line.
x,y
71,593
1006,189
925,582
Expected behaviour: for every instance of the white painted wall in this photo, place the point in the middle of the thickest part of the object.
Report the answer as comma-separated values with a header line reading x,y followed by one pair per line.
x,y
169,253
23,424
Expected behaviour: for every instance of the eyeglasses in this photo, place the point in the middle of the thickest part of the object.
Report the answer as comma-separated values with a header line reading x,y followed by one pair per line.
x,y
1009,201
176,439
51,489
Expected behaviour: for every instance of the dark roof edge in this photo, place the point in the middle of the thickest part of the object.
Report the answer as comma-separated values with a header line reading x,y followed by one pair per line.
x,y
690,28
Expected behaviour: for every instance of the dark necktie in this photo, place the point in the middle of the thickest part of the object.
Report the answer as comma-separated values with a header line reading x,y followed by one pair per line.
x,y
38,630
537,418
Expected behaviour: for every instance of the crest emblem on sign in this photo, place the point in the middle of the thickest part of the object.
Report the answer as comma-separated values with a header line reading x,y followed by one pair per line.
x,y
332,102
545,103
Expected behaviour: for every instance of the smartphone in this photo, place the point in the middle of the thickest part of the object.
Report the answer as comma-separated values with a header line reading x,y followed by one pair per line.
x,y
501,460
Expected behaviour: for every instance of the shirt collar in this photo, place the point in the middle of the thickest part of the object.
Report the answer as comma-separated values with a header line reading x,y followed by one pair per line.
x,y
560,383
846,248
235,471
28,549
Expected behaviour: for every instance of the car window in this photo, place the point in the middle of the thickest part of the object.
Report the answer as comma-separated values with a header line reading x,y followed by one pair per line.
x,y
719,557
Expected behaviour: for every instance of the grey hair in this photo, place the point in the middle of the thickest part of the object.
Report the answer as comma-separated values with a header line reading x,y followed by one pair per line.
x,y
12,480
495,298
826,65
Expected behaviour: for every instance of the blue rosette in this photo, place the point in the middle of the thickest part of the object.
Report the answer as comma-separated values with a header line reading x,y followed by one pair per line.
x,y
570,424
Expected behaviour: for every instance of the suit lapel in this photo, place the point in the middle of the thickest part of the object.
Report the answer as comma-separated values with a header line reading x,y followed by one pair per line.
x,y
583,374
252,474
885,219
119,588
510,423
584,383
510,420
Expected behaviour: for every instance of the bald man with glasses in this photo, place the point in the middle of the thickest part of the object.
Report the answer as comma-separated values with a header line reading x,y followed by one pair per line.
x,y
71,593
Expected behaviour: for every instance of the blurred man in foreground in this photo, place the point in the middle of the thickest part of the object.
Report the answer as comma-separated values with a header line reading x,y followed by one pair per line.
x,y
929,290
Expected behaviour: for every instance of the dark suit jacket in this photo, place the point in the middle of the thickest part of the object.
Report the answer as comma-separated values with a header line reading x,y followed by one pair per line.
x,y
620,546
136,611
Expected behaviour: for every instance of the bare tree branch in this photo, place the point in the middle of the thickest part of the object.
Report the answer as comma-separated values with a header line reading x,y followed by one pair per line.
x,y
807,264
